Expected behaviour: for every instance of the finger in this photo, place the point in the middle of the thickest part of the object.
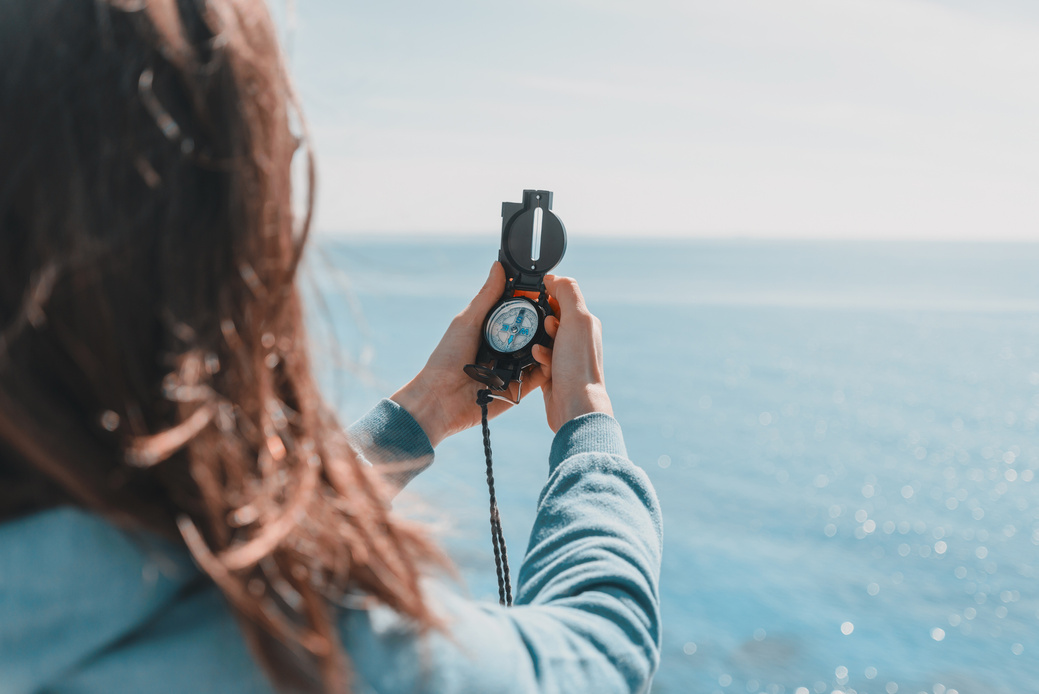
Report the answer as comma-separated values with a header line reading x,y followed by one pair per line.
x,y
566,292
552,303
489,294
542,354
539,376
551,326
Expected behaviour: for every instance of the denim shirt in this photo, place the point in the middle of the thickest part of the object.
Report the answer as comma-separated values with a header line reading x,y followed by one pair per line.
x,y
86,607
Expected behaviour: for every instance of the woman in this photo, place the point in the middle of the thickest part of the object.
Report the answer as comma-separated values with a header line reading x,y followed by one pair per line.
x,y
177,502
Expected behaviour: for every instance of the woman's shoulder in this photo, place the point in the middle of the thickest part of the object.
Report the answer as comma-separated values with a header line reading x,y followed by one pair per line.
x,y
87,604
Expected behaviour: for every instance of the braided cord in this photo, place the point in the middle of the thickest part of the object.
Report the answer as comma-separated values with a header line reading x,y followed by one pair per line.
x,y
501,555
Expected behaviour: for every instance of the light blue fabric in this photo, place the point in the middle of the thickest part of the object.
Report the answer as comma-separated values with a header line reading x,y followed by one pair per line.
x,y
85,607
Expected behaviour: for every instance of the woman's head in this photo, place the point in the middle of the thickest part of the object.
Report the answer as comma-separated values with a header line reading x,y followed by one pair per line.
x,y
152,357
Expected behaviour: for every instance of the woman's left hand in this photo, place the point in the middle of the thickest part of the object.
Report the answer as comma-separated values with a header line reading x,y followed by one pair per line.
x,y
442,398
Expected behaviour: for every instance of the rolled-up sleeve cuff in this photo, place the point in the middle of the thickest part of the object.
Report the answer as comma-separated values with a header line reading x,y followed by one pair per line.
x,y
389,438
590,433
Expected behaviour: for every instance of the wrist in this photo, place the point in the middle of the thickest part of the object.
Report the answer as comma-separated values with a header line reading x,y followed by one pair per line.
x,y
591,398
424,408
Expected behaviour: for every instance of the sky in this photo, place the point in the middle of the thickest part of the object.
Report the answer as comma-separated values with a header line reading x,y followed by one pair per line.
x,y
886,119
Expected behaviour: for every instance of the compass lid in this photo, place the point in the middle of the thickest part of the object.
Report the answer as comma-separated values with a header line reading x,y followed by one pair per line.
x,y
533,239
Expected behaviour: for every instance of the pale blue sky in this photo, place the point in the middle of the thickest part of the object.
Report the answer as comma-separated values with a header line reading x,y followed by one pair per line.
x,y
800,118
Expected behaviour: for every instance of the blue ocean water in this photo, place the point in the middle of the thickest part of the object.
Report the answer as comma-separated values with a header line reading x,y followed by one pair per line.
x,y
843,436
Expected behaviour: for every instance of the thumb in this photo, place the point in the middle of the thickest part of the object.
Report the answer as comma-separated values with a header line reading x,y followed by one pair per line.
x,y
489,294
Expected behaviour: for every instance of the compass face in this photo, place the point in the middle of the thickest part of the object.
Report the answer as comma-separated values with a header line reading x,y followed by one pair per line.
x,y
512,326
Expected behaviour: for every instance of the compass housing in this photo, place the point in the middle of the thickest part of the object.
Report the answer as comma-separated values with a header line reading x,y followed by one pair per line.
x,y
533,241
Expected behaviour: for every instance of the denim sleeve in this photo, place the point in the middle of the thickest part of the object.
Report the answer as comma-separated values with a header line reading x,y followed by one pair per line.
x,y
389,437
587,615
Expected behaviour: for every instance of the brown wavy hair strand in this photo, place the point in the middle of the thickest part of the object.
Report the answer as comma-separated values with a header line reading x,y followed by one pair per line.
x,y
149,313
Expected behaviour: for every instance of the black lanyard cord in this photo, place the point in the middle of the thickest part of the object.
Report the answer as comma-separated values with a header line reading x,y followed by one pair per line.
x,y
501,555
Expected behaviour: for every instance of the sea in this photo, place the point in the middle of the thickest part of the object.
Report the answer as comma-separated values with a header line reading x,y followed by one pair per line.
x,y
844,436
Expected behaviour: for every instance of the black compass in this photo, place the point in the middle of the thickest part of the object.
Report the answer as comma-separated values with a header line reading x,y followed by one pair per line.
x,y
533,241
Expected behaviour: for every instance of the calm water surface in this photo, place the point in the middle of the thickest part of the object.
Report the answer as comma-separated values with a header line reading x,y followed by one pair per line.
x,y
843,437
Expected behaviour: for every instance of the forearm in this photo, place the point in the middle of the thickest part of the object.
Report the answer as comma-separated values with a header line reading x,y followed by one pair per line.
x,y
390,438
593,562
587,615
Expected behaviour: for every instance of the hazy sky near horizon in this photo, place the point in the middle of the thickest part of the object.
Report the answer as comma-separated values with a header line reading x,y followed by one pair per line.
x,y
802,118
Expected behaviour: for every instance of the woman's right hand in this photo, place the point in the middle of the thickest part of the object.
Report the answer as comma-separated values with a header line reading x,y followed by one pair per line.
x,y
576,382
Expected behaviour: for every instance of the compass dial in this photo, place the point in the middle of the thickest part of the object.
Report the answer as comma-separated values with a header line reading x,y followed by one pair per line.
x,y
512,326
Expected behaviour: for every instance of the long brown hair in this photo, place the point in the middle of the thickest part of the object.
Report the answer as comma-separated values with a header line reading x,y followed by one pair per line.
x,y
153,366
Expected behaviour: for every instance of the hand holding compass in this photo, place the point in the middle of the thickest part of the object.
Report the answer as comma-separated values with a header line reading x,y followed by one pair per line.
x,y
573,372
571,375
440,396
